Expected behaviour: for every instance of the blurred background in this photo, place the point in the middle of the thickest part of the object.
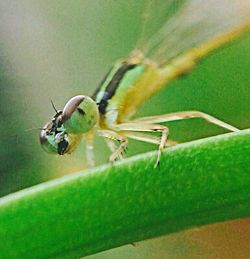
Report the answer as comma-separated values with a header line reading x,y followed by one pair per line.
x,y
53,50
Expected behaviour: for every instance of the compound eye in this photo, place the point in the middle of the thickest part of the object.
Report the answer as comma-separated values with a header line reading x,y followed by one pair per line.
x,y
62,146
80,114
54,140
61,140
43,136
72,105
47,141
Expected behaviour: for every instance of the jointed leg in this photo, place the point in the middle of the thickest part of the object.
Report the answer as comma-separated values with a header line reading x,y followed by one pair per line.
x,y
185,115
112,146
90,152
149,139
145,127
123,142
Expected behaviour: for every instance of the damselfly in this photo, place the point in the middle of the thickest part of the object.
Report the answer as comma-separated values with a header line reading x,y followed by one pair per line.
x,y
193,31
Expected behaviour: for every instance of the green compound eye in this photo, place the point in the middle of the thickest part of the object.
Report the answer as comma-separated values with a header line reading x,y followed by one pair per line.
x,y
47,142
52,140
80,114
63,133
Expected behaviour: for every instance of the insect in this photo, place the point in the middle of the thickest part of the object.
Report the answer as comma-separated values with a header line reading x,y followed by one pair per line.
x,y
196,29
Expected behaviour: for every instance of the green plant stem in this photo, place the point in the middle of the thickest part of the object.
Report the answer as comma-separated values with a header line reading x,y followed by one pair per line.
x,y
198,183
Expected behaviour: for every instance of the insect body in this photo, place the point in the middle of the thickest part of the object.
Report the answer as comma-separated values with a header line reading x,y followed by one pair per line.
x,y
108,113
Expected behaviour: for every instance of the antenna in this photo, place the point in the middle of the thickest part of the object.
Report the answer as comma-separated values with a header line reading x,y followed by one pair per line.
x,y
54,107
27,130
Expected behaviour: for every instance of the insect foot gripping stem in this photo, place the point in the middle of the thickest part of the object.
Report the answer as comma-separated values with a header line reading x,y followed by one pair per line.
x,y
164,131
63,133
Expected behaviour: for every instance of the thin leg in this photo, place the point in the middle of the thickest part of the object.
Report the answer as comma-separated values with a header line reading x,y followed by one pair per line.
x,y
90,152
149,139
123,143
146,127
112,146
185,115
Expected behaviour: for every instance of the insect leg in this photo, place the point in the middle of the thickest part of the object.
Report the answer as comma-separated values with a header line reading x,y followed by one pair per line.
x,y
90,152
186,115
123,143
145,127
148,139
112,146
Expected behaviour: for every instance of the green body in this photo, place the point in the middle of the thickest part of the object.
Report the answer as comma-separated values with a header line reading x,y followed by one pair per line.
x,y
112,91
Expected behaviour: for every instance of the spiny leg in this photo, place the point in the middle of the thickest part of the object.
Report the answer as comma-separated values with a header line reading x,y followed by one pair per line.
x,y
186,115
112,146
112,135
146,127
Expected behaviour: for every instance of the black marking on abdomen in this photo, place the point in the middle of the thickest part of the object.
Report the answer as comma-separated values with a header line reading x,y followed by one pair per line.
x,y
113,85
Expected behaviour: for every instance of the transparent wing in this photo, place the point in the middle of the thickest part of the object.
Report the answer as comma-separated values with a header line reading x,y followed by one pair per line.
x,y
189,31
188,24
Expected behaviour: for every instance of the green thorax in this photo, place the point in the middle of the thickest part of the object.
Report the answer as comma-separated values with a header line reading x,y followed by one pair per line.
x,y
111,93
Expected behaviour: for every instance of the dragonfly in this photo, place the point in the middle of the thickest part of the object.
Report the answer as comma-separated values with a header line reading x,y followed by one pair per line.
x,y
193,31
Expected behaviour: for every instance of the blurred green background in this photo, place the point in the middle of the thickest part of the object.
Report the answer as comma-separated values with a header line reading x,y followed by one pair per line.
x,y
53,50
